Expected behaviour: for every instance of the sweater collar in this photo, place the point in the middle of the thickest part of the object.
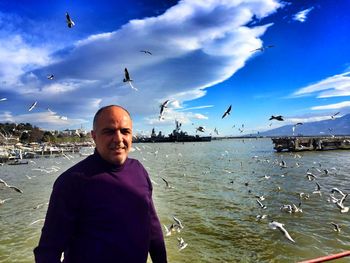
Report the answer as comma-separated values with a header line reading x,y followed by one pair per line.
x,y
107,165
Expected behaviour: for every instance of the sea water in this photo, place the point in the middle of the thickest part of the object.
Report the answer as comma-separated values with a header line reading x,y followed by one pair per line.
x,y
213,189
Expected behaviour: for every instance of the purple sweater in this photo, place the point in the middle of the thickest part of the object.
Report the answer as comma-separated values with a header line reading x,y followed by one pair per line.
x,y
100,212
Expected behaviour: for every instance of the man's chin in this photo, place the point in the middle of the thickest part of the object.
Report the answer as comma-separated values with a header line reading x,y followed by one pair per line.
x,y
119,159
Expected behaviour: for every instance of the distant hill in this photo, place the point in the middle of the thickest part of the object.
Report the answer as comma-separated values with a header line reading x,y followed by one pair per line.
x,y
338,126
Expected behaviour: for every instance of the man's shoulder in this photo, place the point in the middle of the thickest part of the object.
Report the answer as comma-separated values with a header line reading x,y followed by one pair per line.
x,y
135,163
78,170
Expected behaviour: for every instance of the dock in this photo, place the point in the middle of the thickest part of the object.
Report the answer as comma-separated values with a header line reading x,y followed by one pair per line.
x,y
295,144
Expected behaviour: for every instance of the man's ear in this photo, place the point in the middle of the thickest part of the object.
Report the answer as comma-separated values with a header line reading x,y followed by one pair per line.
x,y
93,134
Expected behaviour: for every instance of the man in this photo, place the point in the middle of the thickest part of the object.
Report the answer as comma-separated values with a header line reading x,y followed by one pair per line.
x,y
101,209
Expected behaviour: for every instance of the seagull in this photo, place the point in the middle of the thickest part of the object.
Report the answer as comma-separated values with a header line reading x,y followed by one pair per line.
x,y
182,243
162,107
69,21
260,217
3,99
297,209
260,204
227,112
32,106
310,176
283,164
2,201
286,208
50,77
178,223
11,186
337,227
260,197
317,189
167,183
280,227
262,48
343,209
167,230
335,114
128,79
334,189
278,118
146,52
216,131
200,128
37,221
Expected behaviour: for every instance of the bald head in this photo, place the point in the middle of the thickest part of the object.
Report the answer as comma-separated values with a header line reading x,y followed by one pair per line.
x,y
98,113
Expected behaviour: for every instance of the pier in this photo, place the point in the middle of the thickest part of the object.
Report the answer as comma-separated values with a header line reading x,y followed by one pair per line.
x,y
294,144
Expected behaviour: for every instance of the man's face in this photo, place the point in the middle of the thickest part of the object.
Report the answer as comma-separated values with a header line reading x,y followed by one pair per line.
x,y
113,135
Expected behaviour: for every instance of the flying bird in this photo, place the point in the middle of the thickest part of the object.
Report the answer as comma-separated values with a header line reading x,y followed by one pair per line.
x,y
200,128
280,227
11,186
69,21
146,52
335,114
278,118
227,112
167,185
162,107
216,131
50,77
337,227
181,243
32,106
3,99
262,48
126,76
128,79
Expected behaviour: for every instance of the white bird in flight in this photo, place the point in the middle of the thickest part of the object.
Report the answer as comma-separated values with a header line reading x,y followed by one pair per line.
x,y
69,21
280,227
32,106
128,79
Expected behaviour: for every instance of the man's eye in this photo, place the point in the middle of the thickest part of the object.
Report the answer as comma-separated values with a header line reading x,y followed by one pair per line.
x,y
108,132
125,131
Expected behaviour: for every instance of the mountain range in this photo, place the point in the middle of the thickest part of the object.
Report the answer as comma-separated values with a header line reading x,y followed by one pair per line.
x,y
337,126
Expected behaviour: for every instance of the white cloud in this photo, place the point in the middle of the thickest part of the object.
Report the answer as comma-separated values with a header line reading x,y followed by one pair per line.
x,y
198,107
302,15
17,57
335,86
195,44
334,106
308,119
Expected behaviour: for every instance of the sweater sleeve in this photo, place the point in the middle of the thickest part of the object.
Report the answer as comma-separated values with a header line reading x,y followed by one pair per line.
x,y
157,248
60,220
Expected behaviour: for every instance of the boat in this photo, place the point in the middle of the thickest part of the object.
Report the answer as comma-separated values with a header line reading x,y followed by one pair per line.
x,y
17,162
311,143
176,136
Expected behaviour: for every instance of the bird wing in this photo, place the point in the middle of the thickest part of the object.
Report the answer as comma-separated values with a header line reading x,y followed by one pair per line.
x,y
127,77
285,233
16,189
166,182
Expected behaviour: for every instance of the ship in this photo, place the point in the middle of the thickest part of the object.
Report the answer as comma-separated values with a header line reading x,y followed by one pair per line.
x,y
176,136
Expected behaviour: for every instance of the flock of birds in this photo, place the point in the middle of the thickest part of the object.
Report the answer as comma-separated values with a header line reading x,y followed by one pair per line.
x,y
315,175
316,181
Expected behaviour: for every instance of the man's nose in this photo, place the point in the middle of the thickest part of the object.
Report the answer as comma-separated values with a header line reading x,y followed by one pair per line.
x,y
118,136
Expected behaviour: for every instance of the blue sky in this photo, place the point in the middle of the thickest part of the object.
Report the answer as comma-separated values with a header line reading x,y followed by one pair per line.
x,y
202,62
